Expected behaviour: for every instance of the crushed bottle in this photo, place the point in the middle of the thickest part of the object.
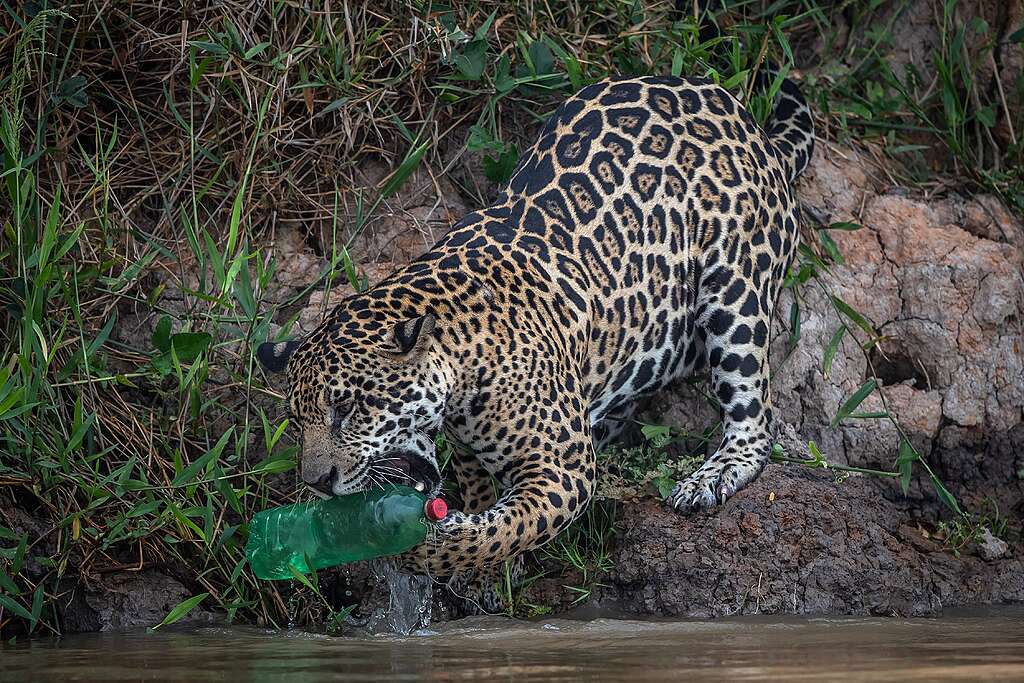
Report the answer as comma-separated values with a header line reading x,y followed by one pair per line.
x,y
375,523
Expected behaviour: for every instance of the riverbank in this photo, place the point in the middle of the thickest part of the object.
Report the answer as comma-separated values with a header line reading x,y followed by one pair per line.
x,y
183,184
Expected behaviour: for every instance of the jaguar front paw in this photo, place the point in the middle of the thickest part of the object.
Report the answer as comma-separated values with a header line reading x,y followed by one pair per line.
x,y
712,484
488,590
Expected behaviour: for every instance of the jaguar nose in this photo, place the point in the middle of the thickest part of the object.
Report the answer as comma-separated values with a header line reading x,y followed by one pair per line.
x,y
325,483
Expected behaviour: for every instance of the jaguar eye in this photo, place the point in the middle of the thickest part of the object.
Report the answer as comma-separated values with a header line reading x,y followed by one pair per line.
x,y
340,416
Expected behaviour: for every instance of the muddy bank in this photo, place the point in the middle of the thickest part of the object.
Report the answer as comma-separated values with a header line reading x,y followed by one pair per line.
x,y
796,542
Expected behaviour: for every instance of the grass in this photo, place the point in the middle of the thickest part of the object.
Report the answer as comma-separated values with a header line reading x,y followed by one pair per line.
x,y
152,158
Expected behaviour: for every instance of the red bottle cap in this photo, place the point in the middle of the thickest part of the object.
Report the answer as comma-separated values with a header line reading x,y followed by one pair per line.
x,y
435,509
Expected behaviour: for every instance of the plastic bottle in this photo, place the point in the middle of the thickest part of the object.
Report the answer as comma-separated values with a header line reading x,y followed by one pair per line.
x,y
333,531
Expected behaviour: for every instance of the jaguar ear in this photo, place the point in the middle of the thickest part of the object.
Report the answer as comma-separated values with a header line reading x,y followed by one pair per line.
x,y
273,356
412,335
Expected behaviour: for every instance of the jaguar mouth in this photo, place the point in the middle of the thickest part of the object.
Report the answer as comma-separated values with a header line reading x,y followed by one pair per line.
x,y
408,469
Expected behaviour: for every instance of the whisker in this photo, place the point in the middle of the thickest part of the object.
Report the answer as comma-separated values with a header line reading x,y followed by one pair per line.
x,y
390,471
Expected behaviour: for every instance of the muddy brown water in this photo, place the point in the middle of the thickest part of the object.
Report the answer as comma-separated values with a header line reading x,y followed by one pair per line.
x,y
980,646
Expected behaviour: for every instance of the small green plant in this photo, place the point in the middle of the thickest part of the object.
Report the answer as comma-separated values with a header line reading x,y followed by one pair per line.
x,y
666,455
586,548
959,532
513,596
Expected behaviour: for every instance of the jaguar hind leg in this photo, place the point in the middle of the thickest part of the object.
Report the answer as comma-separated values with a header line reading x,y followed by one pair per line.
x,y
613,425
737,338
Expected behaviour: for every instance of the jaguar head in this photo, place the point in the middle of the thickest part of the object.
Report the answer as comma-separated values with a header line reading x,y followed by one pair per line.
x,y
368,393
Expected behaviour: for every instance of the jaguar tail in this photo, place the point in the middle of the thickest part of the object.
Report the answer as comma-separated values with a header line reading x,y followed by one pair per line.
x,y
790,126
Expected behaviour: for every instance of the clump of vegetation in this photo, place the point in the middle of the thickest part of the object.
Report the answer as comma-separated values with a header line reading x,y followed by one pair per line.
x,y
959,532
652,467
153,154
580,556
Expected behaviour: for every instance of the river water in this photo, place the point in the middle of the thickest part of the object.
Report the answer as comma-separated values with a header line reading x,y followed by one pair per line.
x,y
953,647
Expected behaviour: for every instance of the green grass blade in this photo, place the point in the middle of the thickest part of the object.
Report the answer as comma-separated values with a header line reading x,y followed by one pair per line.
x,y
851,403
182,609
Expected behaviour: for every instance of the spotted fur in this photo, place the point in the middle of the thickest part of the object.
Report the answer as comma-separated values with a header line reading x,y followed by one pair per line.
x,y
643,236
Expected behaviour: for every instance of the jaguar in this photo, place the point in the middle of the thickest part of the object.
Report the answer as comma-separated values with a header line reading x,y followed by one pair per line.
x,y
643,236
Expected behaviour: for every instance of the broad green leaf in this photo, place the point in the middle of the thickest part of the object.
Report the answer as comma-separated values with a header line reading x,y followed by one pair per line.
x,y
278,433
503,80
987,116
336,104
873,415
794,323
184,523
215,259
542,59
300,576
677,63
665,485
780,37
853,315
215,48
946,497
736,79
275,466
188,345
69,242
481,33
851,403
12,605
223,486
181,609
256,49
144,508
481,139
858,109
409,164
19,555
79,434
500,170
225,536
7,583
162,364
243,290
101,338
472,60
572,65
37,606
72,91
657,435
830,246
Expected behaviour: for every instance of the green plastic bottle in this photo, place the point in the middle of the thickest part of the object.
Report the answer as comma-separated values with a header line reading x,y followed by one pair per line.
x,y
375,523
